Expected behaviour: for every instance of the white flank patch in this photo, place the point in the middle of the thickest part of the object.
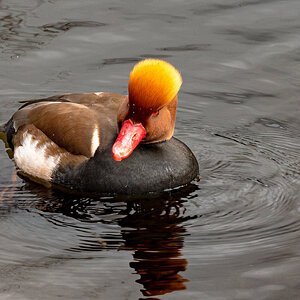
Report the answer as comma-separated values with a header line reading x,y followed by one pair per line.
x,y
98,93
32,159
95,140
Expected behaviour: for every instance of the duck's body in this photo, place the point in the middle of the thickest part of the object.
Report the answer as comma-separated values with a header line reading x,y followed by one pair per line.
x,y
68,140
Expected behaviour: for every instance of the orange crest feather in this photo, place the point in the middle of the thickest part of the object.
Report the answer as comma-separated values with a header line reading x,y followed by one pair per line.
x,y
153,83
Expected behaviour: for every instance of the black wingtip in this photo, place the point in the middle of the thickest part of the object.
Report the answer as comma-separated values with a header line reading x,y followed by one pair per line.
x,y
7,130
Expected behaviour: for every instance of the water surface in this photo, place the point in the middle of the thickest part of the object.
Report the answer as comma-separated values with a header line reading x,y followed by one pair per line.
x,y
234,234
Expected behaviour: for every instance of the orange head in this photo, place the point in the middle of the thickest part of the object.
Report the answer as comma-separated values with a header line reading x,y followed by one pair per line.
x,y
152,84
149,113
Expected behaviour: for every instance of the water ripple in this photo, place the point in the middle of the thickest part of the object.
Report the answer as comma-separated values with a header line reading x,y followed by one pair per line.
x,y
18,37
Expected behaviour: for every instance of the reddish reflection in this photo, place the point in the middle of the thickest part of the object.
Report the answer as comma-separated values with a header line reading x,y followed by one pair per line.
x,y
156,237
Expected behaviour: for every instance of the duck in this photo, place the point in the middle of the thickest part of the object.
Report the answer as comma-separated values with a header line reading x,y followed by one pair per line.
x,y
105,143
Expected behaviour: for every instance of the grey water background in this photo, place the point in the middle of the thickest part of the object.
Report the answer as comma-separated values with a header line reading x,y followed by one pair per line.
x,y
234,234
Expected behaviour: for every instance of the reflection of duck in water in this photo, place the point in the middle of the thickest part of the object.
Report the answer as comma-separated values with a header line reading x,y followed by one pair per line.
x,y
156,238
151,228
67,140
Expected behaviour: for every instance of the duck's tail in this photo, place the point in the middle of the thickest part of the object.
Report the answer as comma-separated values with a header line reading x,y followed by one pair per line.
x,y
2,127
6,139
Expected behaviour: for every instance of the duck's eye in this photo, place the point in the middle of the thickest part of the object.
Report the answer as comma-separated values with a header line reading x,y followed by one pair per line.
x,y
156,113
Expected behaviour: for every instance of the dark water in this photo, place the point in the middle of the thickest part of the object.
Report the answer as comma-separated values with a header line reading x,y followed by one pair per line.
x,y
234,234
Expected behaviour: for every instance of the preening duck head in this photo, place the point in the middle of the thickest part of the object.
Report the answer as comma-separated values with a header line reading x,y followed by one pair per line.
x,y
148,115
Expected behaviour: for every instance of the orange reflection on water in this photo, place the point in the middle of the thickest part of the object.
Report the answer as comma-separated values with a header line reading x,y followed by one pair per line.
x,y
157,239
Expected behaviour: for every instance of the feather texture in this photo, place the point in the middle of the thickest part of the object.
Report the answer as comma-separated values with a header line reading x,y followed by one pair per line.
x,y
152,84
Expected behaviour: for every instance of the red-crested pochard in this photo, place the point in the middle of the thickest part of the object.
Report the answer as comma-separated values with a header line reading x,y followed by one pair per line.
x,y
106,143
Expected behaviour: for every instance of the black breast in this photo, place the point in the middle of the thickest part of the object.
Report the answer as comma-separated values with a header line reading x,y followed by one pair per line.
x,y
150,168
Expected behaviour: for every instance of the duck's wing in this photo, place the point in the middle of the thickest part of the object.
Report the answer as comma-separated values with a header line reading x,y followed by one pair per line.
x,y
78,123
69,125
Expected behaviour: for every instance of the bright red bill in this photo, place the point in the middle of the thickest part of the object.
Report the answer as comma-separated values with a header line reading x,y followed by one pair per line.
x,y
129,137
